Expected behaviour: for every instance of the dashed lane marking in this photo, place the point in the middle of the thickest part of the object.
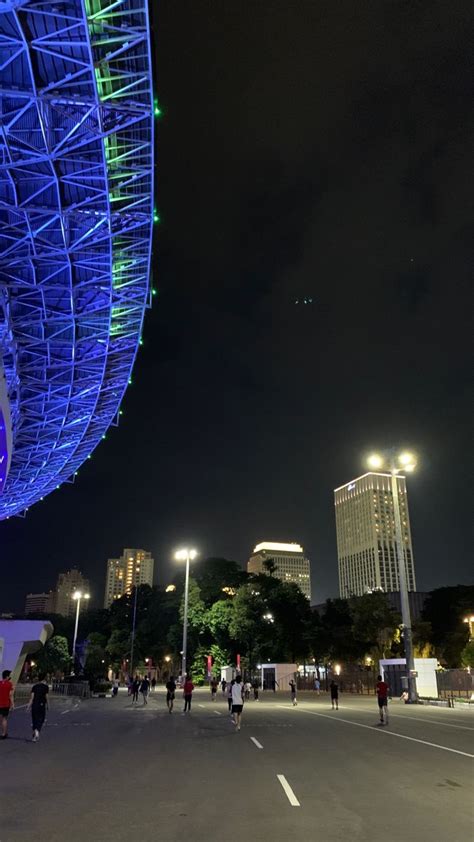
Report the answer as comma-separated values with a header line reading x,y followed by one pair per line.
x,y
288,791
256,742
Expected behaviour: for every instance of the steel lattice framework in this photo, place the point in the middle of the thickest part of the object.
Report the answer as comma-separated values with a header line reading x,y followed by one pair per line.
x,y
76,215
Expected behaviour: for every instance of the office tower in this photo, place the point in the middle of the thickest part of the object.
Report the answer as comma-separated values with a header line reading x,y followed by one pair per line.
x,y
132,569
290,561
62,602
366,545
39,603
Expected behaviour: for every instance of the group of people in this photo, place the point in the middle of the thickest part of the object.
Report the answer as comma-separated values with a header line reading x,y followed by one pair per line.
x,y
139,685
37,705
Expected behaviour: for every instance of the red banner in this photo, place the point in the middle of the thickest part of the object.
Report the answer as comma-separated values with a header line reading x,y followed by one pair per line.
x,y
238,663
209,664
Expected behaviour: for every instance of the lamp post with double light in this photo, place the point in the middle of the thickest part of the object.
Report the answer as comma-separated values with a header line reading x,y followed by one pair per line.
x,y
395,464
77,597
186,555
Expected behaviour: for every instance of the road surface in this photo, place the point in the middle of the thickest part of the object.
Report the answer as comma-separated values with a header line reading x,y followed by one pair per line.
x,y
105,770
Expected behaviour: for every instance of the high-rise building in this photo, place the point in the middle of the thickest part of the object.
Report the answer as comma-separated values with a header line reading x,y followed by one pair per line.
x,y
39,603
132,569
290,562
67,583
366,544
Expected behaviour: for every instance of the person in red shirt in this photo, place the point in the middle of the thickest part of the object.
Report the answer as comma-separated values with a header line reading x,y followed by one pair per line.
x,y
188,693
382,699
6,701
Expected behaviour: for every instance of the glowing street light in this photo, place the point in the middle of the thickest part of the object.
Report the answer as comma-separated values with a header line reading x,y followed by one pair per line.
x,y
77,596
187,556
394,463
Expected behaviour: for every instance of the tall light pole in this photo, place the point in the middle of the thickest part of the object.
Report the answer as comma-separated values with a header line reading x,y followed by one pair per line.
x,y
77,596
187,556
395,464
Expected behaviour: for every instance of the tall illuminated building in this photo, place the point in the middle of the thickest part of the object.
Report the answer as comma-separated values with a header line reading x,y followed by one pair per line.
x,y
67,584
132,569
366,545
290,562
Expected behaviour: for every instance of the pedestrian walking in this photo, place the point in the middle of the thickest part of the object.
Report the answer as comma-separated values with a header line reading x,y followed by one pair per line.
x,y
144,689
115,687
188,693
247,689
223,685
237,701
7,704
170,691
229,695
317,686
38,705
293,693
382,699
135,689
213,689
255,690
334,689
153,684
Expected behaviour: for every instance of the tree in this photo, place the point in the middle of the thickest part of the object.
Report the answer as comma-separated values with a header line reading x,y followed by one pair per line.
x,y
446,609
54,657
467,655
213,575
374,624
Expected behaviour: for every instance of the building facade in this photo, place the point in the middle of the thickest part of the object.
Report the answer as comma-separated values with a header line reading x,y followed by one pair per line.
x,y
290,561
132,569
365,527
62,602
39,603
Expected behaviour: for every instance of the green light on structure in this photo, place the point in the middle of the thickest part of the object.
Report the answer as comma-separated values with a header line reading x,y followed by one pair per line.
x,y
154,292
140,342
156,109
121,412
156,216
130,381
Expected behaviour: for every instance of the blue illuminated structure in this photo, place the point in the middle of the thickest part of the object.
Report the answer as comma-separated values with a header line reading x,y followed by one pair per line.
x,y
76,216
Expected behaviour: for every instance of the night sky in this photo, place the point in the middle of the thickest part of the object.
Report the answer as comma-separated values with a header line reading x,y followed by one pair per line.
x,y
306,149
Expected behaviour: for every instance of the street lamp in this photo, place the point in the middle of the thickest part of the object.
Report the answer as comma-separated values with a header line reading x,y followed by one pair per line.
x,y
77,596
187,556
470,621
395,463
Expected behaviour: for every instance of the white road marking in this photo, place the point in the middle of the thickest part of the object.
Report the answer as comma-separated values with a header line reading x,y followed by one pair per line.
x,y
218,712
66,711
383,731
19,707
256,742
201,706
430,721
288,791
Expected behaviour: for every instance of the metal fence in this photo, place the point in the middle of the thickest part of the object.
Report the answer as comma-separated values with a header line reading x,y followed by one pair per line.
x,y
454,683
70,688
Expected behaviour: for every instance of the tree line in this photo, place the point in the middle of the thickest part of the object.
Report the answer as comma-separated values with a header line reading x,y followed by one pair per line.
x,y
259,618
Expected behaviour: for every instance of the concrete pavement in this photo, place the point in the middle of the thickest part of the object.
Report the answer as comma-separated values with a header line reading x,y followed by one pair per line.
x,y
106,770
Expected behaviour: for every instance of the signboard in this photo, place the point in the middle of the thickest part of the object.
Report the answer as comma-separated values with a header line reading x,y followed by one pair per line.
x,y
2,646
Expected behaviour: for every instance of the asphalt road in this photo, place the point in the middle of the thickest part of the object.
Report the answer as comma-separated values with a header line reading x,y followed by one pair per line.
x,y
104,770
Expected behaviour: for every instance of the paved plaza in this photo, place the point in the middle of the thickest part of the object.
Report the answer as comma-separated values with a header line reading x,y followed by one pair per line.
x,y
105,770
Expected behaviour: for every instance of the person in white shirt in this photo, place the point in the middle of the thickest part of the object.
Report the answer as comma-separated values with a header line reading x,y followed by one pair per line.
x,y
237,701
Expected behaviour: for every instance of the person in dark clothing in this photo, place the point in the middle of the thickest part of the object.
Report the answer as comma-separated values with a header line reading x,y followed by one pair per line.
x,y
188,694
255,690
153,684
135,689
170,691
144,688
38,705
334,689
